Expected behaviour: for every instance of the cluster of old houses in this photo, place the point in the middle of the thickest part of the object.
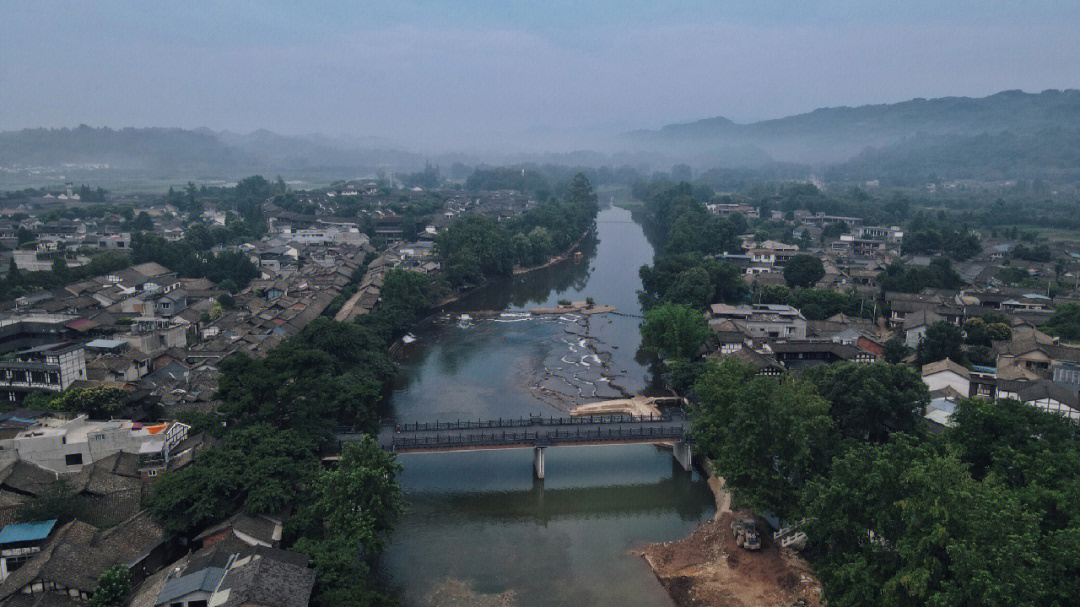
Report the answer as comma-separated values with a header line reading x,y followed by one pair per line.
x,y
160,339
851,259
238,563
777,337
1031,367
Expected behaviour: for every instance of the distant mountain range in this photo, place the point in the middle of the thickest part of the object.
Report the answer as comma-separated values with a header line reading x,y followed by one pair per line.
x,y
1009,135
836,135
171,153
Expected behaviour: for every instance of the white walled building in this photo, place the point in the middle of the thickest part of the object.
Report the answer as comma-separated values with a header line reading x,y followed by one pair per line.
x,y
66,445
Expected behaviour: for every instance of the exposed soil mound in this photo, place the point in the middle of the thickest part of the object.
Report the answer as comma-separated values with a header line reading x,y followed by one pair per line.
x,y
707,569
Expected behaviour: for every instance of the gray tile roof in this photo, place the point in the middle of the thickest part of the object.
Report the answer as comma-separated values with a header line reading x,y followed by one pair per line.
x,y
268,582
205,580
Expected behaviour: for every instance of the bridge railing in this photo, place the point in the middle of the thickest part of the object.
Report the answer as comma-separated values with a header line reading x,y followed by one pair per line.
x,y
523,422
555,437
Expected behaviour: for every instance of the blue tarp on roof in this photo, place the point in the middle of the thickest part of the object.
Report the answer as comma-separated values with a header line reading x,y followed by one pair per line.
x,y
26,532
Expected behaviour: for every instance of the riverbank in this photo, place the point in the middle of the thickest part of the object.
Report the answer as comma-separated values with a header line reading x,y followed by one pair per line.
x,y
709,569
554,260
561,257
477,517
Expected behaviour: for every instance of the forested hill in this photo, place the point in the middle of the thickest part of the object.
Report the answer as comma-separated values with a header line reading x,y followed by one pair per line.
x,y
169,152
831,135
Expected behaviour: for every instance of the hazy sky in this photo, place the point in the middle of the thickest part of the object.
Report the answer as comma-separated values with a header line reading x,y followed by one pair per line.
x,y
434,75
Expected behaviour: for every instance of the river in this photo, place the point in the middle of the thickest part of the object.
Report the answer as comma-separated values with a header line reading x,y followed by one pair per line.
x,y
479,529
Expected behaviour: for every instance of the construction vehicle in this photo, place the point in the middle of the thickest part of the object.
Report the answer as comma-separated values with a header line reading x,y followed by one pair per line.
x,y
744,530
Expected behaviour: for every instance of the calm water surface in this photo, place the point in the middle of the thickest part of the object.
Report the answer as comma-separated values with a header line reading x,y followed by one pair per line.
x,y
480,530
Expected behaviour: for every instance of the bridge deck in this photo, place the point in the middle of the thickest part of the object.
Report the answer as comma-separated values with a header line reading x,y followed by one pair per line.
x,y
519,433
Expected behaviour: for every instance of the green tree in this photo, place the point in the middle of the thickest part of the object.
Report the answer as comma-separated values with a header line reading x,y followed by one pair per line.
x,y
803,271
1065,323
14,278
869,402
60,269
98,402
674,331
766,436
256,468
773,294
113,587
23,236
895,350
345,524
942,340
691,288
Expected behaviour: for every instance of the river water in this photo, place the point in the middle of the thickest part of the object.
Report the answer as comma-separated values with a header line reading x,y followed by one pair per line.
x,y
479,529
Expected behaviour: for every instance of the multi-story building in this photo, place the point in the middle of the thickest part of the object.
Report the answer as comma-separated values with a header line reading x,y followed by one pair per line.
x,y
50,368
858,245
773,321
22,331
777,254
728,209
891,235
321,235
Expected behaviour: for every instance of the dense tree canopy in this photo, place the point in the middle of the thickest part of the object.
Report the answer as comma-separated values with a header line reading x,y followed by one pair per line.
x,y
473,249
344,528
987,513
942,340
766,436
958,244
1065,323
690,279
674,331
689,235
280,411
803,271
98,402
869,402
899,277
191,258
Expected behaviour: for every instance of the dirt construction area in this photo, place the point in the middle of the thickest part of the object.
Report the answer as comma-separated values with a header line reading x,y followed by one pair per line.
x,y
708,569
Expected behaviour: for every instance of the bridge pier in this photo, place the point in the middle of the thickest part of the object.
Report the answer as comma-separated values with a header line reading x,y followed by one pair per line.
x,y
539,455
684,454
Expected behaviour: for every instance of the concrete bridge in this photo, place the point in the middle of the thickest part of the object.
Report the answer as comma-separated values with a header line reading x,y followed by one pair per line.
x,y
536,433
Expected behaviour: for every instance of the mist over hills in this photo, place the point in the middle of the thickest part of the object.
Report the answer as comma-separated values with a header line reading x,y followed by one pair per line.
x,y
1009,135
835,135
149,153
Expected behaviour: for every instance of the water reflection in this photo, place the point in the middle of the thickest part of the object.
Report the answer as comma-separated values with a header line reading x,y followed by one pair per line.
x,y
479,525
480,530
533,288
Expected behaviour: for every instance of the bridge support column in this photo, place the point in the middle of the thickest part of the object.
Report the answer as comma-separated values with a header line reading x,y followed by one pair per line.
x,y
539,454
684,454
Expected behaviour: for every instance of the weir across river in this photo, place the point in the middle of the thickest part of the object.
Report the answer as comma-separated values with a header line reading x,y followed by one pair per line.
x,y
537,433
